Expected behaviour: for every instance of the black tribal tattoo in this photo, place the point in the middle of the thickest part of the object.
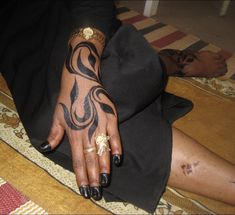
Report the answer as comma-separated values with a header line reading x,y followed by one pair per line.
x,y
90,117
182,59
82,70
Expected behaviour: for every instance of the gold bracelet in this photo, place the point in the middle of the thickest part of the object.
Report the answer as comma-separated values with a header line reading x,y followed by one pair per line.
x,y
88,33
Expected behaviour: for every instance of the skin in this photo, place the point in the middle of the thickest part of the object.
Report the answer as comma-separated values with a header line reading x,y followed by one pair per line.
x,y
196,169
198,64
84,111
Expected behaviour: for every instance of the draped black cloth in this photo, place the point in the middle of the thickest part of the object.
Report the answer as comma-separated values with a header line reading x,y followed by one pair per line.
x,y
33,48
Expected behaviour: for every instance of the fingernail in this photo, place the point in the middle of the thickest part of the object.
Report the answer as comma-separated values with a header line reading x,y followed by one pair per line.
x,y
104,179
85,191
96,193
45,147
117,160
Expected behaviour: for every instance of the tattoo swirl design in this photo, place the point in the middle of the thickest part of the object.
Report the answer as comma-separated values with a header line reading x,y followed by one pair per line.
x,y
82,69
90,118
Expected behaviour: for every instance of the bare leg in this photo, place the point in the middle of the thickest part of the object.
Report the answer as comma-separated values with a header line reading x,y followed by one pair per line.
x,y
196,169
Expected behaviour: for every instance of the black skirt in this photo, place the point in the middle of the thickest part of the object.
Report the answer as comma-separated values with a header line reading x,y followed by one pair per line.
x,y
135,79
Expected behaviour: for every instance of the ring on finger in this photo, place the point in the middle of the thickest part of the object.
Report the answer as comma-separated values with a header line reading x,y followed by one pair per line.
x,y
102,143
90,149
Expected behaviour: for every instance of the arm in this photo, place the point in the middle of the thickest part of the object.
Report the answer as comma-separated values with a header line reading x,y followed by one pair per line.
x,y
84,111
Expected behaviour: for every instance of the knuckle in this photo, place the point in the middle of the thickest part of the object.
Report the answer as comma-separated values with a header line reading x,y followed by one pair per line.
x,y
112,126
90,161
94,182
82,182
75,137
78,164
112,117
104,169
103,122
116,144
115,138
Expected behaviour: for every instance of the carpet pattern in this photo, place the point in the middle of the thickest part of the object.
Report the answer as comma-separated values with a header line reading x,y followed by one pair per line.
x,y
13,202
162,36
13,133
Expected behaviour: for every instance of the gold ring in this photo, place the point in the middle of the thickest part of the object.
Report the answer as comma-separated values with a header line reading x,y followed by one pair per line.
x,y
102,143
88,150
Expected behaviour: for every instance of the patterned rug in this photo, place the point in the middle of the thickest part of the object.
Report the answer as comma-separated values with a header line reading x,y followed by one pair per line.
x,y
13,202
162,36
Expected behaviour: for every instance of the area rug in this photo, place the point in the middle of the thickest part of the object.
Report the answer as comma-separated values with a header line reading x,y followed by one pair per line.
x,y
162,36
13,202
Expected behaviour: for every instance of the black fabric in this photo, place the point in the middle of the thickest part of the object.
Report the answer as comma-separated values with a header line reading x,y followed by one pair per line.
x,y
32,55
135,79
99,14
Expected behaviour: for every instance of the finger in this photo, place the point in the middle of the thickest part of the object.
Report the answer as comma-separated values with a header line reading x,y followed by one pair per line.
x,y
54,138
79,167
115,143
104,162
92,166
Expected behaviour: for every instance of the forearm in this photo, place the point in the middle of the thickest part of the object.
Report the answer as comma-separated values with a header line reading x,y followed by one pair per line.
x,y
83,61
98,42
84,110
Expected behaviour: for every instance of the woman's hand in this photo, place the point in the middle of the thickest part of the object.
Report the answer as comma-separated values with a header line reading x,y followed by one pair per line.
x,y
84,111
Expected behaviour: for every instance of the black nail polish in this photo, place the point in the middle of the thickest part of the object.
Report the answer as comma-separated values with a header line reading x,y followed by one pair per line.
x,y
104,179
96,193
117,160
85,191
45,147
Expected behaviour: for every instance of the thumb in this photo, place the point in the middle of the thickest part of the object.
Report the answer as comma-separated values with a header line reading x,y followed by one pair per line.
x,y
54,137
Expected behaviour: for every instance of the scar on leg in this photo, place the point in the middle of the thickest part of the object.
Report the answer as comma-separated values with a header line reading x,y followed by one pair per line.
x,y
188,168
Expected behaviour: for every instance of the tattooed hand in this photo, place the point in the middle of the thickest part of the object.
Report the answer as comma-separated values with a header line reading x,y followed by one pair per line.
x,y
84,111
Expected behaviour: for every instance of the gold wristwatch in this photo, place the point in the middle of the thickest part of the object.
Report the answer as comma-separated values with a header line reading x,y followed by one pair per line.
x,y
89,33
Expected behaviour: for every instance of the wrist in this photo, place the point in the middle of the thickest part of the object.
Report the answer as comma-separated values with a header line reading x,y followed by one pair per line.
x,y
83,57
88,34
